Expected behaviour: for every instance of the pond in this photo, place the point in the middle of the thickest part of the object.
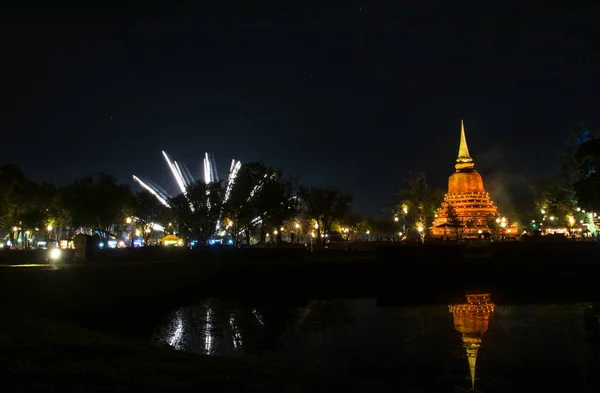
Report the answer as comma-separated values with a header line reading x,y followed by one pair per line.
x,y
469,344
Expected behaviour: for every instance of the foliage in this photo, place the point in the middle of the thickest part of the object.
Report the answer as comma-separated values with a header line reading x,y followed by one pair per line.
x,y
98,202
458,224
587,183
147,210
199,209
324,206
555,199
419,203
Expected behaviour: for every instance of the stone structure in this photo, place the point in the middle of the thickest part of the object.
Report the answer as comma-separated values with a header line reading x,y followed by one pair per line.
x,y
471,320
470,201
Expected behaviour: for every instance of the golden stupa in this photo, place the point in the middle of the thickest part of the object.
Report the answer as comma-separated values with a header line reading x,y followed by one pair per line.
x,y
468,197
472,320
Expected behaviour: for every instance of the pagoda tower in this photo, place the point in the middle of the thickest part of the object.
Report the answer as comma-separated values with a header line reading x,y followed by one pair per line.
x,y
472,320
468,197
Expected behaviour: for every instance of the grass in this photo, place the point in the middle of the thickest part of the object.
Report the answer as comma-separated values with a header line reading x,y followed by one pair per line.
x,y
44,355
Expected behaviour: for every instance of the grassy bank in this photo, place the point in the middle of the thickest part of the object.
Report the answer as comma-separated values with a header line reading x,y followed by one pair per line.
x,y
40,355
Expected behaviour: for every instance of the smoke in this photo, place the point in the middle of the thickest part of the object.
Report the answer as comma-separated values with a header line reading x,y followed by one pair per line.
x,y
503,184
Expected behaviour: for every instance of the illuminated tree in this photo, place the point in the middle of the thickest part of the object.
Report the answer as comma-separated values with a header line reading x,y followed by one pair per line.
x,y
147,210
419,203
324,206
458,224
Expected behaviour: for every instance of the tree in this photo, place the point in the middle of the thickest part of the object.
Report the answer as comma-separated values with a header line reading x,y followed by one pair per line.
x,y
99,203
324,206
419,203
458,224
147,210
554,199
275,202
199,209
587,183
22,208
240,210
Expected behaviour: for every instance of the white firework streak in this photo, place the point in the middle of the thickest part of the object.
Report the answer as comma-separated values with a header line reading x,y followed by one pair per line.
x,y
151,191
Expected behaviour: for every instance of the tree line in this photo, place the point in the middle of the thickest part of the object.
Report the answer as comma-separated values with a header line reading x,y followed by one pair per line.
x,y
259,202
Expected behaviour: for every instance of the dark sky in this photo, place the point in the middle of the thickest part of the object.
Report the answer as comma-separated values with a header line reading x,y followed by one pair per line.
x,y
350,96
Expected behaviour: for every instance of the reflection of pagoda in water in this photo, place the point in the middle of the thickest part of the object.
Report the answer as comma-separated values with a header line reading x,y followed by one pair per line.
x,y
471,320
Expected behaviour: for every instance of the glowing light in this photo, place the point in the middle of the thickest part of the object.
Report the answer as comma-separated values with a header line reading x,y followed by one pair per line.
x,y
15,229
571,220
543,211
275,232
368,232
508,230
551,218
55,254
128,220
405,210
137,232
148,230
420,228
316,226
297,225
281,229
396,219
578,209
49,228
480,231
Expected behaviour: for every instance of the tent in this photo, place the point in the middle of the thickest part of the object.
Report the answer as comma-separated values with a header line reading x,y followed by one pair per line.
x,y
171,240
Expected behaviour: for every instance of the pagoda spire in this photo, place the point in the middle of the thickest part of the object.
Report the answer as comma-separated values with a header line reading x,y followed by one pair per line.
x,y
463,149
464,160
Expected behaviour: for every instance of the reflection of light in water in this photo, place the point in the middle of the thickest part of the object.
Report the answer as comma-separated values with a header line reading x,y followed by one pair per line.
x,y
208,339
177,333
236,335
258,317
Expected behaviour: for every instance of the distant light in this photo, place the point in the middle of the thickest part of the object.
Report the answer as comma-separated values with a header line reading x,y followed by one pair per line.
x,y
368,232
128,220
101,244
275,232
543,211
230,241
121,243
297,225
578,209
396,219
49,228
480,231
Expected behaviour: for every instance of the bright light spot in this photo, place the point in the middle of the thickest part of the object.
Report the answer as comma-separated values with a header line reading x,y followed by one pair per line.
x,y
509,231
128,220
49,228
55,254
121,243
420,228
480,231
551,218
297,225
101,244
316,225
275,232
503,225
368,232
571,220
498,220
15,229
543,211
148,230
578,209
396,219
137,232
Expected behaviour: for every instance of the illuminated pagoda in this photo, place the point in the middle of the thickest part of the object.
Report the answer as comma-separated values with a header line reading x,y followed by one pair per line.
x,y
472,320
469,199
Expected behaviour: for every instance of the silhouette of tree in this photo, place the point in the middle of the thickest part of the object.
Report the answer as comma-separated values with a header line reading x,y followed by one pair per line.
x,y
98,202
457,223
324,206
199,209
419,203
148,210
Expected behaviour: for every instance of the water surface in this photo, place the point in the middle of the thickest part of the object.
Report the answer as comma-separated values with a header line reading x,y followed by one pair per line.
x,y
511,348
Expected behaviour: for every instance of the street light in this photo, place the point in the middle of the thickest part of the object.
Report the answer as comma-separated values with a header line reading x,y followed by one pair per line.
x,y
49,228
396,219
420,228
128,220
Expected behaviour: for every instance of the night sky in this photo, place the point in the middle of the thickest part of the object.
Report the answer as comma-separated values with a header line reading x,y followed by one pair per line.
x,y
350,96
